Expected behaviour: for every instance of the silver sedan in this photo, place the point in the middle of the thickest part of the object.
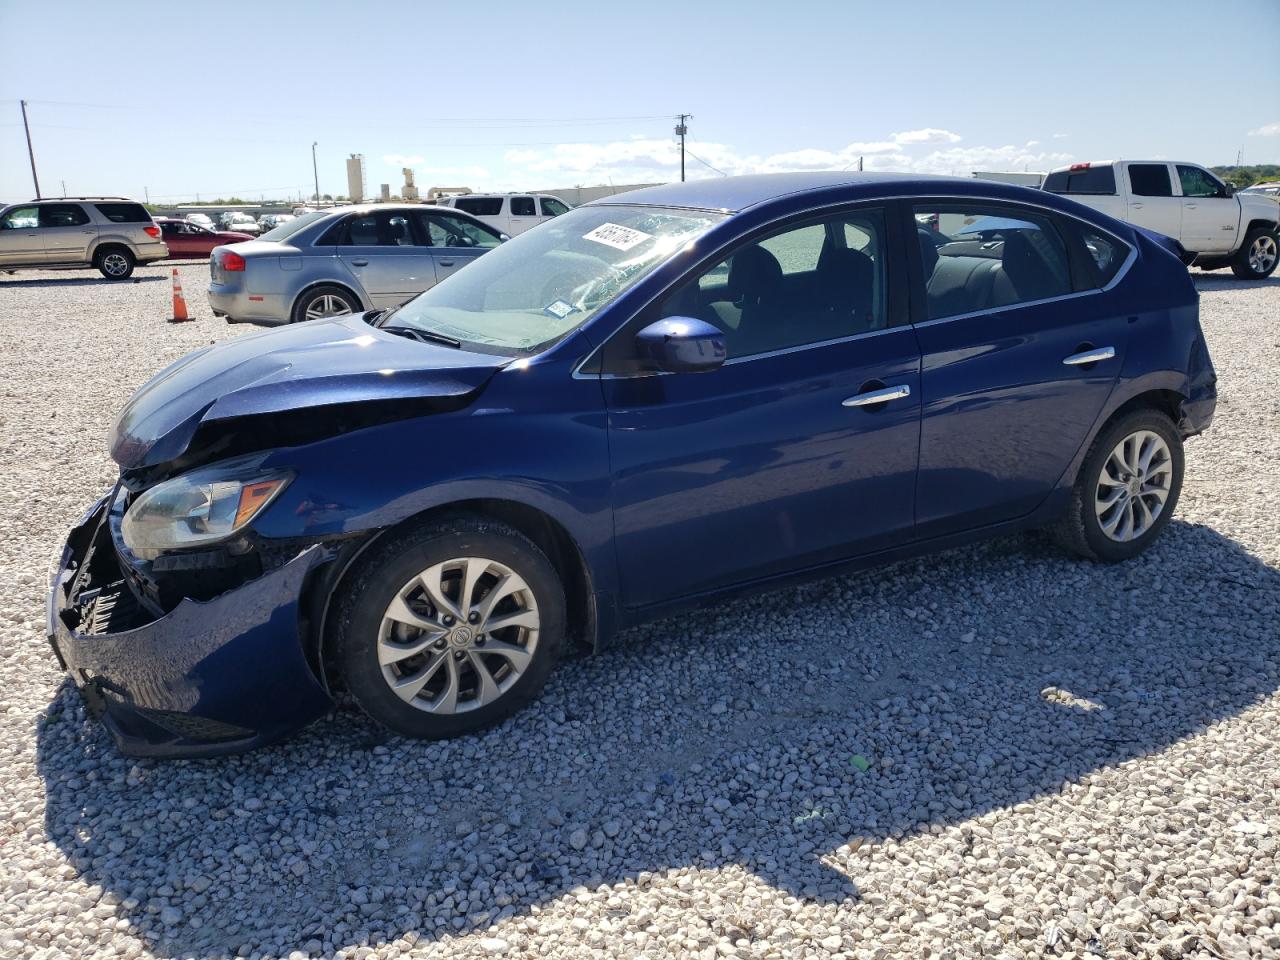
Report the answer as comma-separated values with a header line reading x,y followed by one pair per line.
x,y
333,262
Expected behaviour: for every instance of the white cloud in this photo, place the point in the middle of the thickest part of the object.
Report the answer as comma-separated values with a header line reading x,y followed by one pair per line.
x,y
926,135
1061,136
1266,130
653,160
401,160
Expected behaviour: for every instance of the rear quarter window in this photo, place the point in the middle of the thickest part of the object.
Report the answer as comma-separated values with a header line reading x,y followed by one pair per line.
x,y
480,206
1096,181
124,212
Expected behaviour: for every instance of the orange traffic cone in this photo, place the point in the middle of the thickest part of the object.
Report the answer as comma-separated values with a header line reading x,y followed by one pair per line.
x,y
179,303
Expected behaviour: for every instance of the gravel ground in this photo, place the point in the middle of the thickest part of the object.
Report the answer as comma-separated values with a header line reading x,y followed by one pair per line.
x,y
998,751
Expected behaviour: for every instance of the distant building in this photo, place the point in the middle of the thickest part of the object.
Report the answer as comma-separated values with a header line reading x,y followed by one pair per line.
x,y
386,192
408,191
355,177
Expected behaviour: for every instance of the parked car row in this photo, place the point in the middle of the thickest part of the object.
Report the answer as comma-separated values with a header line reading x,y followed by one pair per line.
x,y
113,234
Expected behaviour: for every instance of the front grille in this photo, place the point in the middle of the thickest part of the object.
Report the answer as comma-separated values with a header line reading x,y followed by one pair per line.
x,y
113,610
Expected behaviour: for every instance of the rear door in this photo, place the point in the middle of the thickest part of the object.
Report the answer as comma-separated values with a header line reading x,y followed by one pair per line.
x,y
1005,314
1152,203
21,242
455,240
383,255
524,214
1210,218
68,232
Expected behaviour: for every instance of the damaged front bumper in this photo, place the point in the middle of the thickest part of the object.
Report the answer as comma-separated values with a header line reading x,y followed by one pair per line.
x,y
207,678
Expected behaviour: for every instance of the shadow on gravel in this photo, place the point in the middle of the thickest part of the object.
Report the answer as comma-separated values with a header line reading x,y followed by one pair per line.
x,y
736,735
1226,281
76,281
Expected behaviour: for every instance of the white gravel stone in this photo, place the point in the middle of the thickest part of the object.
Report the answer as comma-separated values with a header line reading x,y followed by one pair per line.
x,y
1054,758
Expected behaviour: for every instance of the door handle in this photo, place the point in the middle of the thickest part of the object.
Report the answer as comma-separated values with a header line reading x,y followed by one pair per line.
x,y
1136,206
445,263
872,397
360,263
1189,206
1090,356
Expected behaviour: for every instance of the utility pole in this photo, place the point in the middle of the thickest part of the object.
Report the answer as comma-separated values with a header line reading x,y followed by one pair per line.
x,y
64,188
681,130
315,170
30,153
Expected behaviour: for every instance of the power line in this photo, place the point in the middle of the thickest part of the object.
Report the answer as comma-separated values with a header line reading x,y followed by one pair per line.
x,y
705,164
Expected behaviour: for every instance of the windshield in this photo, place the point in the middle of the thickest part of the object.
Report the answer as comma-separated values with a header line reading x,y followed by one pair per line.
x,y
533,290
287,229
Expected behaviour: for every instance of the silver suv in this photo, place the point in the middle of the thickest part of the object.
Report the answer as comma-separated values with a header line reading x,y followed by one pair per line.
x,y
111,233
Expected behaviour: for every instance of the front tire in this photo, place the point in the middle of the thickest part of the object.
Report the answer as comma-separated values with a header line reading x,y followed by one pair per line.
x,y
449,627
1258,255
115,263
1127,489
325,301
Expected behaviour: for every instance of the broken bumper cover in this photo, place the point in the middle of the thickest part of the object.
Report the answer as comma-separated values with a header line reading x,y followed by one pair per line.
x,y
206,678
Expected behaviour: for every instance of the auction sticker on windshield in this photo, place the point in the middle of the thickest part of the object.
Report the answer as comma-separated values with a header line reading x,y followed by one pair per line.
x,y
616,236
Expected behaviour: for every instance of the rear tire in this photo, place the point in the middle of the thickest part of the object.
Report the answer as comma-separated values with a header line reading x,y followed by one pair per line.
x,y
1258,255
324,301
410,635
1127,489
114,263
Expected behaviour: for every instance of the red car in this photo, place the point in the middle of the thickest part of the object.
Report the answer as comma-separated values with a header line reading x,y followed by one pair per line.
x,y
188,240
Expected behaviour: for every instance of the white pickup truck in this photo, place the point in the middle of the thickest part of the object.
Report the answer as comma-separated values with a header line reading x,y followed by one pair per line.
x,y
1215,225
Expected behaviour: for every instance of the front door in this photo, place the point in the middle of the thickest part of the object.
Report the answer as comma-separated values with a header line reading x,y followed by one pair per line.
x,y
455,240
774,461
1017,363
1152,203
385,256
1210,218
21,241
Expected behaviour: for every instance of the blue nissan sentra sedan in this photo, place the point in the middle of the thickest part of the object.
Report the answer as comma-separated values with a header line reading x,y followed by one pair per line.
x,y
651,401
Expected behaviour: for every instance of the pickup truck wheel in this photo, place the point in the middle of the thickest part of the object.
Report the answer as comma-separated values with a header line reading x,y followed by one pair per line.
x,y
1258,255
114,263
449,627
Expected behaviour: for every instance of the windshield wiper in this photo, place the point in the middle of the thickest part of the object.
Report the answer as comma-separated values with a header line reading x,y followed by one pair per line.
x,y
424,336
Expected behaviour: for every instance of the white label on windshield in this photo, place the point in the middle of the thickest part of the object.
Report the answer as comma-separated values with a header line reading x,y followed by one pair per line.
x,y
559,309
618,237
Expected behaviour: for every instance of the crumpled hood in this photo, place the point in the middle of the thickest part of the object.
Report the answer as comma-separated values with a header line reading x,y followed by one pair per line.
x,y
307,365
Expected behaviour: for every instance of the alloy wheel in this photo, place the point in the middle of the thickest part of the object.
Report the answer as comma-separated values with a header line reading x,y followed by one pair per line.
x,y
1133,486
458,635
327,305
115,264
1262,254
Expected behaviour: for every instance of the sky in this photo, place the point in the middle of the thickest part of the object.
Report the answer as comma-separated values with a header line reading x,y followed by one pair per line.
x,y
170,101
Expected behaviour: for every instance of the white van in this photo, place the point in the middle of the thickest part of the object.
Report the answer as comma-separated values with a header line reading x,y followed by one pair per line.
x,y
510,213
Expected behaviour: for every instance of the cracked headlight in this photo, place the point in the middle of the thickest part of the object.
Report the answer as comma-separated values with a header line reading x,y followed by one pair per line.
x,y
201,507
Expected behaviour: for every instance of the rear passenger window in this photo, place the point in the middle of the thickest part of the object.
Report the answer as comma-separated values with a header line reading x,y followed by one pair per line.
x,y
63,215
983,258
382,229
801,286
124,212
522,207
1094,181
1150,180
480,206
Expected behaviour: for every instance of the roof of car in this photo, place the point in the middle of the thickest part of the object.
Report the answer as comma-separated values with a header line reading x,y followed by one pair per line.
x,y
735,194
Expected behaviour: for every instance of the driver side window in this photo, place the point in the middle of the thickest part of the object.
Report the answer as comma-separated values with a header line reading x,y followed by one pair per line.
x,y
1196,183
808,284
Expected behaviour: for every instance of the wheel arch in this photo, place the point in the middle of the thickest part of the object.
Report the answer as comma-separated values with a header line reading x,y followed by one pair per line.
x,y
1271,226
548,533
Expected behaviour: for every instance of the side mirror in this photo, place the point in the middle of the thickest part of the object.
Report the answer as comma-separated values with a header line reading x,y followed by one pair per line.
x,y
681,345
1231,189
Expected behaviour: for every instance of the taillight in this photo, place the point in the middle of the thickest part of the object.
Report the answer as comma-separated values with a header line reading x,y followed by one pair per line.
x,y
231,261
152,231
